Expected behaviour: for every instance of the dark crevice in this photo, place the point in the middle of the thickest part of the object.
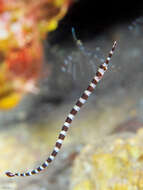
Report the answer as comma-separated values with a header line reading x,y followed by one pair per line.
x,y
93,17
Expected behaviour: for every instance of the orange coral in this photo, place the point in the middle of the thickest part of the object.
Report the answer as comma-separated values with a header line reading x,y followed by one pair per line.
x,y
22,26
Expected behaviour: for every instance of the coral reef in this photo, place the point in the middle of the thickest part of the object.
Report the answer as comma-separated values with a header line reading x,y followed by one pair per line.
x,y
112,164
23,24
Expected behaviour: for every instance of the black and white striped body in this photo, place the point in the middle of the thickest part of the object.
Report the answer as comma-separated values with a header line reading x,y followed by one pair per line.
x,y
99,74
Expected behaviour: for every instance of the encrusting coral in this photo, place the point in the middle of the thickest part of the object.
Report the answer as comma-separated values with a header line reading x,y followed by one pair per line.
x,y
23,24
113,164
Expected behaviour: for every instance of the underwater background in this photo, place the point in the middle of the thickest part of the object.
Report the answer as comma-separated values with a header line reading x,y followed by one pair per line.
x,y
43,73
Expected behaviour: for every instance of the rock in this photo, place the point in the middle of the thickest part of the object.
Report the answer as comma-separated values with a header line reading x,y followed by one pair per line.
x,y
113,163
